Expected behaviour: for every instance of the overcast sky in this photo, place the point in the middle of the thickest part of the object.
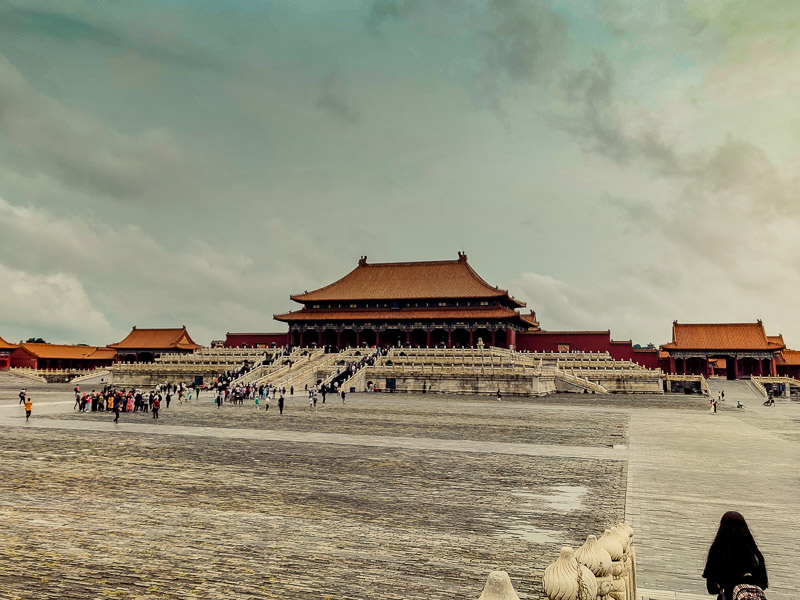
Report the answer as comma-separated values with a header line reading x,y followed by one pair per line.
x,y
618,165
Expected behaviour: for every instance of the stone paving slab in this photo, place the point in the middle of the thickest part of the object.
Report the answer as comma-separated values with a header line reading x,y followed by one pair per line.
x,y
89,514
686,470
200,503
406,417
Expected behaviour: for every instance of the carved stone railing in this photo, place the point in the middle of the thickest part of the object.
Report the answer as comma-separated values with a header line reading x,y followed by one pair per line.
x,y
601,569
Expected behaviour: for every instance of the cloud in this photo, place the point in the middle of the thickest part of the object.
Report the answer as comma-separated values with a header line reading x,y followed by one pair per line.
x,y
71,28
621,303
82,153
55,302
524,39
387,10
332,99
129,277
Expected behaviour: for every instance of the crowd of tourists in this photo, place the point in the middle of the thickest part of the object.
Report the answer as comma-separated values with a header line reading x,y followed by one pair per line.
x,y
110,399
224,388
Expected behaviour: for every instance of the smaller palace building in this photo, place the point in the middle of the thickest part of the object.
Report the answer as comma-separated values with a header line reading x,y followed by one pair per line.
x,y
61,356
424,304
5,353
735,350
145,345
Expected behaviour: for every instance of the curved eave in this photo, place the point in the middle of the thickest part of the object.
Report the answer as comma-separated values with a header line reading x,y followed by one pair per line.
x,y
446,314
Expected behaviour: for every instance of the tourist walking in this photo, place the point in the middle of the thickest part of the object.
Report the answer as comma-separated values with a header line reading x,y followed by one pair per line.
x,y
280,404
266,404
28,408
499,395
342,395
255,400
22,393
116,411
156,406
734,560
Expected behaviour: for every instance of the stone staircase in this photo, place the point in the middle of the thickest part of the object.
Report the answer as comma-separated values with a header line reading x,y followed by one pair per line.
x,y
739,389
302,373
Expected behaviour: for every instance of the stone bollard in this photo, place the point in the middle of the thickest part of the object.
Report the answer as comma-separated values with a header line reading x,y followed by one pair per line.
x,y
498,587
567,579
611,543
597,559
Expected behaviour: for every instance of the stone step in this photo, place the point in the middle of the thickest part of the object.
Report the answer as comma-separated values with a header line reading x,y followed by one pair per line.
x,y
650,594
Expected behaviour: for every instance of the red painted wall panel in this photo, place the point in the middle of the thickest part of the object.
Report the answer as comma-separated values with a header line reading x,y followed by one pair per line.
x,y
587,341
22,358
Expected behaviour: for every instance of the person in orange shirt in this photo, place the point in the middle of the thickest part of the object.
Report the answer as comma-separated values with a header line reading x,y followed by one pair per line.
x,y
28,408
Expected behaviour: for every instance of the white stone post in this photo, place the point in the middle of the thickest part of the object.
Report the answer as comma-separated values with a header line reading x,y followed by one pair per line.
x,y
597,559
610,542
498,587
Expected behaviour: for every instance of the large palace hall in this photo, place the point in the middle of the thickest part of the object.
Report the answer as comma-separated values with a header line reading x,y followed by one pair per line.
x,y
419,303
437,304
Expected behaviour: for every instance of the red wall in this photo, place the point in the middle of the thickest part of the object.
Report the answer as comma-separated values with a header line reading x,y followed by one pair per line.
x,y
548,341
253,340
22,358
587,341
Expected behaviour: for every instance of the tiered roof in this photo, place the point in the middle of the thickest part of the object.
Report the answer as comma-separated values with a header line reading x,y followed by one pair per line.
x,y
157,339
722,336
68,352
789,357
406,282
405,314
429,280
4,345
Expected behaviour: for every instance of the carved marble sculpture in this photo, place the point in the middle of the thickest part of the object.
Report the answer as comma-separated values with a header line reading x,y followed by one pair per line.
x,y
611,543
598,561
567,579
498,587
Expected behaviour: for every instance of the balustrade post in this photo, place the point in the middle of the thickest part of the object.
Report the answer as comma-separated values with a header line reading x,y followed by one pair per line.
x,y
597,559
498,587
611,543
568,579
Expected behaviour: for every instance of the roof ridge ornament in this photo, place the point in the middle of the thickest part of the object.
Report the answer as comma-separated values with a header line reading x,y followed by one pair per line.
x,y
362,261
462,256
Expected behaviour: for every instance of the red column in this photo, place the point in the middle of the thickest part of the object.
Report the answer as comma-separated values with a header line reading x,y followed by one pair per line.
x,y
319,339
493,337
408,336
428,331
735,368
511,338
358,338
672,366
449,338
471,335
377,338
761,367
708,369
339,339
773,367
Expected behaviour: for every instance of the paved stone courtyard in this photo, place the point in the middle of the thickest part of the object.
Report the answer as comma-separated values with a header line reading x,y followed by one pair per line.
x,y
385,497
